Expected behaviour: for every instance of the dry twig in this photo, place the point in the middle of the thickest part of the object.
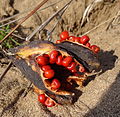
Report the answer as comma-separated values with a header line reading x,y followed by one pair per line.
x,y
17,15
24,19
113,21
99,25
88,11
5,71
41,27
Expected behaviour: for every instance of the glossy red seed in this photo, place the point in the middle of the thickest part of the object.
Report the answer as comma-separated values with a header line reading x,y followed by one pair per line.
x,y
58,41
64,35
72,66
49,74
55,84
49,102
95,48
41,60
46,55
88,45
77,39
42,98
74,71
59,60
46,67
66,61
81,69
84,39
53,56
72,38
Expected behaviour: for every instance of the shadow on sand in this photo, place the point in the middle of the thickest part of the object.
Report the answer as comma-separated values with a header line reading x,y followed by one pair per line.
x,y
107,62
109,106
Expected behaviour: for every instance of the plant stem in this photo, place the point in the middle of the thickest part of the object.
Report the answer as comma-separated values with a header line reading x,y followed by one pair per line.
x,y
24,19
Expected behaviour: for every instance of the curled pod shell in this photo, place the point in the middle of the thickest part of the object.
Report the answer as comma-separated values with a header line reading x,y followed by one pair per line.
x,y
25,59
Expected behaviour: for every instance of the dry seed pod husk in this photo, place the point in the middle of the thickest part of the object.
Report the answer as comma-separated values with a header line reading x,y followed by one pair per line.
x,y
24,58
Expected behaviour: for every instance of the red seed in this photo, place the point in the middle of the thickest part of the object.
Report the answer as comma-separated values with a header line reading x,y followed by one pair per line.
x,y
72,38
72,66
84,39
41,60
55,84
95,48
59,60
49,74
74,70
49,102
88,45
64,35
46,67
66,61
77,39
58,41
81,69
42,98
53,56
46,55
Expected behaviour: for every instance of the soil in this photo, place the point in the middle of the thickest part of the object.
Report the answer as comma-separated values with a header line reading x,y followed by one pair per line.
x,y
101,96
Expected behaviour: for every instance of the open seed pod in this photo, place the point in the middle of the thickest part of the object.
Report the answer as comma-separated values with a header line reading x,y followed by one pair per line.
x,y
63,63
81,53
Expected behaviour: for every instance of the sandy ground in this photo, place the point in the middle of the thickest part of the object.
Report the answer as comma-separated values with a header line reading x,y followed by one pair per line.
x,y
101,97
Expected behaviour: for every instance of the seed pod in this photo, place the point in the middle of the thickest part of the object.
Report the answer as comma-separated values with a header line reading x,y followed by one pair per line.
x,y
82,54
25,59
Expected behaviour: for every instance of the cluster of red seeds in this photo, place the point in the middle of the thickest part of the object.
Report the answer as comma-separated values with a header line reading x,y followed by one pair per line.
x,y
82,40
42,98
55,57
